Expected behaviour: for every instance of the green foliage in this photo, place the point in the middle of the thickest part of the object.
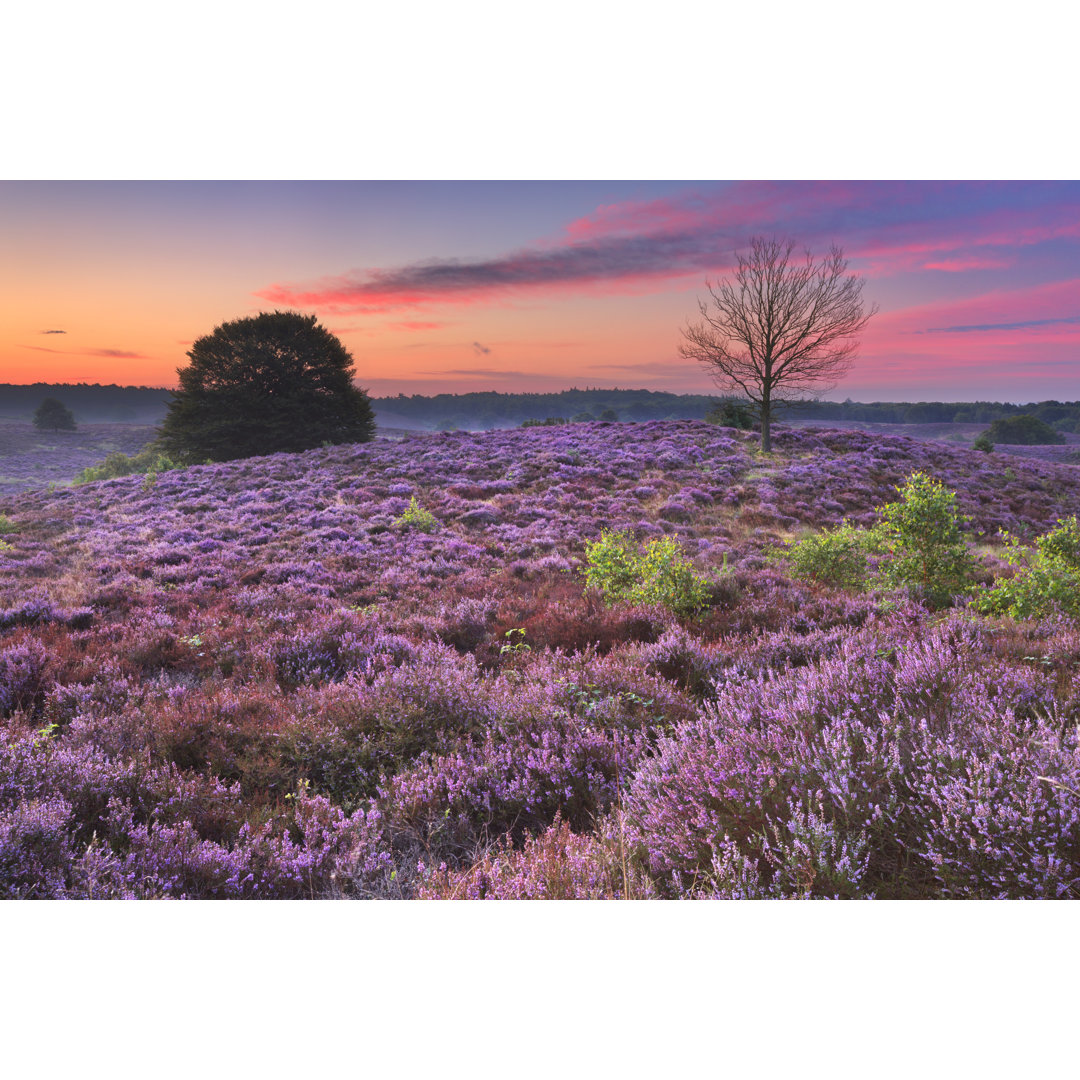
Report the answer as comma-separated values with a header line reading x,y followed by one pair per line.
x,y
54,415
261,385
416,517
550,421
612,564
6,547
730,413
515,642
1023,429
150,462
660,574
1047,578
1062,543
920,540
7,525
983,443
835,557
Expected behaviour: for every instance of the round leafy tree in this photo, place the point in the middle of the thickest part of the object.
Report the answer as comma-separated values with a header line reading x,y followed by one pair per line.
x,y
260,385
54,415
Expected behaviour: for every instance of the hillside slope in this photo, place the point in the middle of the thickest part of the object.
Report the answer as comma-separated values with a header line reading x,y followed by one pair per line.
x,y
264,683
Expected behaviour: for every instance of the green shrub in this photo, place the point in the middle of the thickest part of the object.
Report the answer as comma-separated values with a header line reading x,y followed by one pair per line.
x,y
1047,579
920,540
835,556
661,574
416,517
731,413
551,421
612,564
983,443
1062,543
150,460
1023,429
7,525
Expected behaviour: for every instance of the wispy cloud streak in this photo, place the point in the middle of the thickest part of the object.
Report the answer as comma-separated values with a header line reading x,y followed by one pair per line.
x,y
1026,324
884,227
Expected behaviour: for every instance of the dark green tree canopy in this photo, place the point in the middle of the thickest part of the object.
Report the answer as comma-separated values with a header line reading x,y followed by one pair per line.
x,y
260,385
54,415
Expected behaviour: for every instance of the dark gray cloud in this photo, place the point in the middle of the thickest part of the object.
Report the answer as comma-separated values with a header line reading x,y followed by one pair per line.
x,y
482,350
614,259
54,331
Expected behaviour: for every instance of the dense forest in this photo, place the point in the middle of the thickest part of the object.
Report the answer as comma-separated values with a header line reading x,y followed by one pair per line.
x,y
92,403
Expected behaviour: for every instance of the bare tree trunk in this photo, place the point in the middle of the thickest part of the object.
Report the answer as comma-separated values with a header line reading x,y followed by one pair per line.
x,y
766,421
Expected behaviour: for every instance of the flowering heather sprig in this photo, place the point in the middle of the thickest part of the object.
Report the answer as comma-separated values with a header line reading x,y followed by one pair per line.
x,y
909,775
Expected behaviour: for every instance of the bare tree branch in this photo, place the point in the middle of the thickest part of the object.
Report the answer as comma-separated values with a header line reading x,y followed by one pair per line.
x,y
779,327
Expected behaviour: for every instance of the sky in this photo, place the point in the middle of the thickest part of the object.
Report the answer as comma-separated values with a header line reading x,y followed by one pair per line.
x,y
456,286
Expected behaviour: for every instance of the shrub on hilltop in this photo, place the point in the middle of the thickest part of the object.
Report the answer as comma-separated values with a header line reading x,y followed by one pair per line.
x,y
274,382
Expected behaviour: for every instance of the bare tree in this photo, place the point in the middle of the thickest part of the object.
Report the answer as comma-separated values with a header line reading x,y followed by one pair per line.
x,y
780,328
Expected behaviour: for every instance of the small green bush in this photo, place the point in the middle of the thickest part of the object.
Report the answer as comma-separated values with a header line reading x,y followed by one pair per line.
x,y
7,525
416,517
834,557
661,574
1047,579
921,544
150,460
983,443
612,564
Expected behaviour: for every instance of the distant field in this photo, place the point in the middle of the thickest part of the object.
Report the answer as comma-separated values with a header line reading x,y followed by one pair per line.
x,y
1067,453
30,458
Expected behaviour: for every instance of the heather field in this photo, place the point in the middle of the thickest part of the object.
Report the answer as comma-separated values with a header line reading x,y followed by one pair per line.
x,y
377,671
32,458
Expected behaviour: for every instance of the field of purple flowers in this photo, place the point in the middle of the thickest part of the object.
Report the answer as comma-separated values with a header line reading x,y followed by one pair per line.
x,y
279,678
31,458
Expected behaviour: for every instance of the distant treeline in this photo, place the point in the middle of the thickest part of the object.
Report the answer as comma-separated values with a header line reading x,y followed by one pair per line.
x,y
93,403
90,402
491,409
